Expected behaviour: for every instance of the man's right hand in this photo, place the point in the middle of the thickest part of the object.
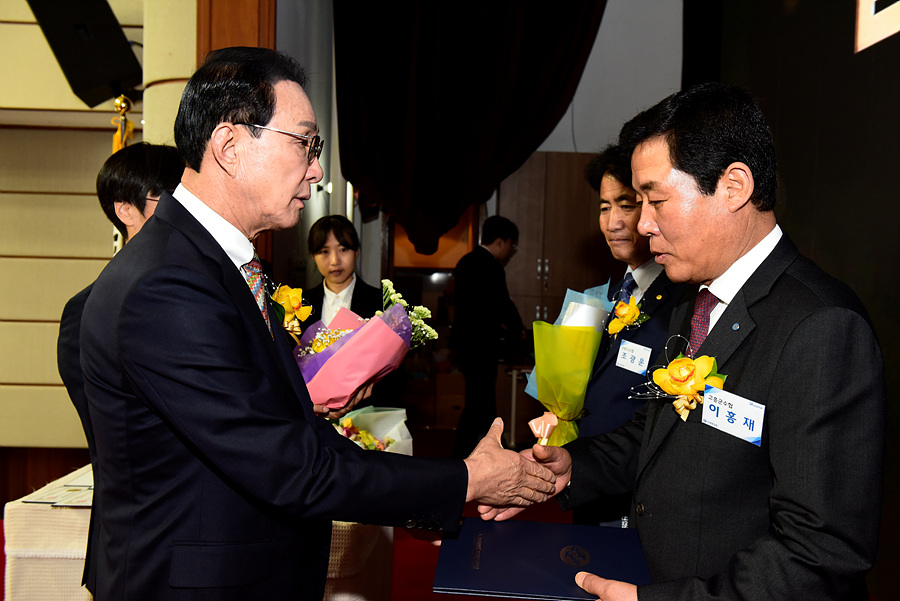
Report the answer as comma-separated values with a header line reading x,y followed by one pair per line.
x,y
503,478
556,459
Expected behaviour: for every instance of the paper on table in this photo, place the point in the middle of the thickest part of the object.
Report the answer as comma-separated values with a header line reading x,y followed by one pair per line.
x,y
85,479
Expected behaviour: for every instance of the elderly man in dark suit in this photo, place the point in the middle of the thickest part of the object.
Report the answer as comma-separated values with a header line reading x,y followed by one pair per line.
x,y
624,358
791,511
215,478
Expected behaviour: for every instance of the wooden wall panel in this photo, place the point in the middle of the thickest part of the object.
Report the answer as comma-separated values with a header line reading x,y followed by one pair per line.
x,y
30,355
54,240
224,23
24,470
37,225
572,240
521,200
39,416
43,286
52,160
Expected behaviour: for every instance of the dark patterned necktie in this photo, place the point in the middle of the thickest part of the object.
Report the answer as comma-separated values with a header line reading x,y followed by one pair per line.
x,y
703,306
627,290
256,280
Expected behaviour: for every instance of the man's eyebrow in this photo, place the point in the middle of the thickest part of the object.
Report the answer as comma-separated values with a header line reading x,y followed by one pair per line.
x,y
311,125
648,186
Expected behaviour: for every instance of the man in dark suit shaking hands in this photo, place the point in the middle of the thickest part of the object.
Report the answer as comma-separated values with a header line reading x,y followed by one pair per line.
x,y
215,478
788,506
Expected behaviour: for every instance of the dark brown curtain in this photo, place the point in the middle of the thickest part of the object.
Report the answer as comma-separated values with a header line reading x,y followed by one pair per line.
x,y
439,101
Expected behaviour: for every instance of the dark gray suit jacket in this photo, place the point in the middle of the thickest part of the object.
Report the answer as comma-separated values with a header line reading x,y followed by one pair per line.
x,y
797,517
214,477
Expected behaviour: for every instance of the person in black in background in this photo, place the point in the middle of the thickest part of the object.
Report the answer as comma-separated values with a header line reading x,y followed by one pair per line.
x,y
485,316
129,185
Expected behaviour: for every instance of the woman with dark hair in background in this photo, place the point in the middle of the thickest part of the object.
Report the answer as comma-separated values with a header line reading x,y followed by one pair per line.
x,y
334,244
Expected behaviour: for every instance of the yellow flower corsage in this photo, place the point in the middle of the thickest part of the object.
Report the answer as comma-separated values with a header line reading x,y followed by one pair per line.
x,y
290,310
687,378
627,315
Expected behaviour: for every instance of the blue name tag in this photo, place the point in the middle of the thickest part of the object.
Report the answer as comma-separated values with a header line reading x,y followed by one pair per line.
x,y
733,414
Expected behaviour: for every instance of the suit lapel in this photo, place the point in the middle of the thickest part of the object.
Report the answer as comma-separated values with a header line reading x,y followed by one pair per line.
x,y
172,212
736,323
733,327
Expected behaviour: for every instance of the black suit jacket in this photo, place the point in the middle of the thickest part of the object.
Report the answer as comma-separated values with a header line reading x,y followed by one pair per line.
x,y
215,478
798,516
484,313
68,360
606,401
365,301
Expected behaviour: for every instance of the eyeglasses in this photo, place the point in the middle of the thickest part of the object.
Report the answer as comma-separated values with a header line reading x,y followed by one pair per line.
x,y
314,144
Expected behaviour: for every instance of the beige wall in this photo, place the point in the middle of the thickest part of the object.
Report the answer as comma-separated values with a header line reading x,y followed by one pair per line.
x,y
54,239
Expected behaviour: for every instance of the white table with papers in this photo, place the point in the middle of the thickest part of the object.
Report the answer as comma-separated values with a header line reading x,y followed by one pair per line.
x,y
46,540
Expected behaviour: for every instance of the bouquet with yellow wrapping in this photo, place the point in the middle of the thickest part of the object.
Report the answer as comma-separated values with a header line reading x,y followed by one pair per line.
x,y
564,354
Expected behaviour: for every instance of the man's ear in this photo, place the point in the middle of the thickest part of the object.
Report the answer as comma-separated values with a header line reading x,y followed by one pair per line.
x,y
127,213
738,183
223,147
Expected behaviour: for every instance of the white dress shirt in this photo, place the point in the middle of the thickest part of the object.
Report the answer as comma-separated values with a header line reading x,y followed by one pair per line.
x,y
644,276
235,244
726,286
333,301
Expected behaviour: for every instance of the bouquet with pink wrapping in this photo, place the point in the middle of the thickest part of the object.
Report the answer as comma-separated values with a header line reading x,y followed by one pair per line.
x,y
337,360
351,352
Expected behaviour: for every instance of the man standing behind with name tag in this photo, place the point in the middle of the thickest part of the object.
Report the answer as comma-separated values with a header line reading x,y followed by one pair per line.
x,y
720,517
623,359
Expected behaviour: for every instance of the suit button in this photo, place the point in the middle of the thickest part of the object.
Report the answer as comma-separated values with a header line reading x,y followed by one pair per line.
x,y
639,509
411,523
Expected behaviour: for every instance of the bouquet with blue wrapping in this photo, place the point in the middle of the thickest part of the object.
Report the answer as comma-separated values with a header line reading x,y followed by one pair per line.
x,y
564,354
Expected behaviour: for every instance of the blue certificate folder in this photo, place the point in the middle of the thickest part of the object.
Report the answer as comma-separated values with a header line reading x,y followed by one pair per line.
x,y
535,560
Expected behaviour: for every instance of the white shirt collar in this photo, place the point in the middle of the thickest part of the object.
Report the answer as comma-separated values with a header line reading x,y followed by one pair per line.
x,y
333,301
235,244
726,286
644,276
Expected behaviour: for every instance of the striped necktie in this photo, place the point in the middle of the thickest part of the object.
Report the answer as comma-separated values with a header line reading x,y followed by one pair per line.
x,y
627,290
257,281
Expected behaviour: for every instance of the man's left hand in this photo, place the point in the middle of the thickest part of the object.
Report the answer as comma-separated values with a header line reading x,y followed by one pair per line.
x,y
606,590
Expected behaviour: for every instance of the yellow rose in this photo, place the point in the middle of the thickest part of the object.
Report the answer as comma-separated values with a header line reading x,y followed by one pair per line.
x,y
625,315
292,301
687,378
